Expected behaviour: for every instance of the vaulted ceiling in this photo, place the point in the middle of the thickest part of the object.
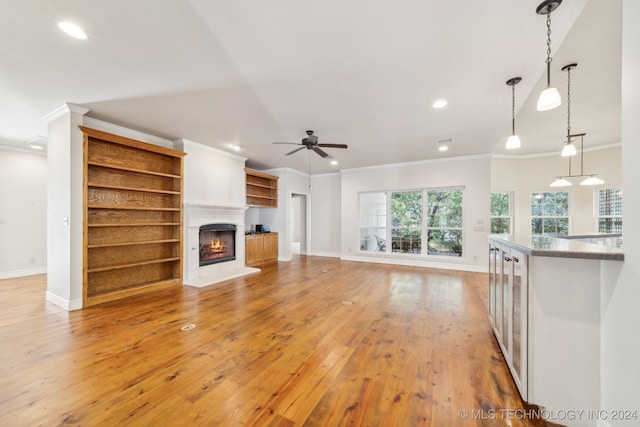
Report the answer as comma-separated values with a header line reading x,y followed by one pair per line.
x,y
362,73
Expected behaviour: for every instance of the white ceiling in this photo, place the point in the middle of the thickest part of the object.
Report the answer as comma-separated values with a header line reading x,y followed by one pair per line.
x,y
362,73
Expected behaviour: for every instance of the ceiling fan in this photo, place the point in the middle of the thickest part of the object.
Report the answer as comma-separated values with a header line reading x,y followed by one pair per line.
x,y
311,143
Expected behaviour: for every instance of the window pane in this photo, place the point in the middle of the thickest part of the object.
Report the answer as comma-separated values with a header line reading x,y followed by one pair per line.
x,y
500,226
445,242
373,221
406,209
372,239
444,209
500,204
550,213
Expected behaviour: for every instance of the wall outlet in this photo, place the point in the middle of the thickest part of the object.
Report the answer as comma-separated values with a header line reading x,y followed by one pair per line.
x,y
32,260
1,220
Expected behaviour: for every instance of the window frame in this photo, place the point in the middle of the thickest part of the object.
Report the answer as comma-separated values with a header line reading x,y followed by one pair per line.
x,y
544,217
596,208
508,217
423,250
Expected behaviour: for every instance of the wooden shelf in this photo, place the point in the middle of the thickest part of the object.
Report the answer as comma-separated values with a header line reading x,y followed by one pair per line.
x,y
261,189
133,224
122,168
133,208
146,242
132,264
144,190
133,217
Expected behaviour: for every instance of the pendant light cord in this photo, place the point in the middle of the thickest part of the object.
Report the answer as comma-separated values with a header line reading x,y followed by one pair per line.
x,y
513,109
569,105
549,48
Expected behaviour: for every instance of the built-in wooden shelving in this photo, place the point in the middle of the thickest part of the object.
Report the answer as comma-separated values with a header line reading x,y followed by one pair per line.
x,y
262,189
133,217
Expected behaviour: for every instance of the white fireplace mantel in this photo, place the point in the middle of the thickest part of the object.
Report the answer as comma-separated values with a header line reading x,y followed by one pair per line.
x,y
197,215
200,214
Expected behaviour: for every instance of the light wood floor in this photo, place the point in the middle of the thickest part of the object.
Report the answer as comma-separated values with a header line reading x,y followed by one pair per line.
x,y
314,342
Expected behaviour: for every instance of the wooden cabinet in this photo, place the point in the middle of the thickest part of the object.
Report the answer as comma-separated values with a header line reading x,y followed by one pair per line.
x,y
261,188
133,217
261,249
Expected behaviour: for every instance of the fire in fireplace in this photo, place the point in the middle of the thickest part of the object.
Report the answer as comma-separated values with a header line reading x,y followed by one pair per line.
x,y
217,243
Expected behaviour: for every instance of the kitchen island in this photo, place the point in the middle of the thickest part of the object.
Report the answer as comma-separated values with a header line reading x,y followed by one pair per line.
x,y
545,309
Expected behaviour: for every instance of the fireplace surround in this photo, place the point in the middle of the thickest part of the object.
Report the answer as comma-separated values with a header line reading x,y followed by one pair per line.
x,y
201,215
217,243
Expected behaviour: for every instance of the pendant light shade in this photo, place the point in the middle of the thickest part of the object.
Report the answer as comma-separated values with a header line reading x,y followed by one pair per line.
x,y
592,180
569,150
550,97
561,182
514,140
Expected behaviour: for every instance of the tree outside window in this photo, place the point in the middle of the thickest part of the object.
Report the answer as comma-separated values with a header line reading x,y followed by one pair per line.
x,y
550,213
444,222
500,213
406,221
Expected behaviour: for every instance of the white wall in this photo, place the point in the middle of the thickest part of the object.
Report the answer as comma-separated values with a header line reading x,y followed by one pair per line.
x,y
212,176
620,315
326,227
472,172
23,213
278,220
524,175
65,207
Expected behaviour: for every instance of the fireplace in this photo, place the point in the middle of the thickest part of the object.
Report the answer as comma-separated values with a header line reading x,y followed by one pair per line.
x,y
217,243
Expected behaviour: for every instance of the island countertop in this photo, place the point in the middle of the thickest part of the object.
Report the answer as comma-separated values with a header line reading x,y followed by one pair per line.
x,y
558,247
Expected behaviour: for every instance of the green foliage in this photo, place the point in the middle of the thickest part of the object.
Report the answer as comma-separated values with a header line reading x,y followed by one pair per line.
x,y
444,209
406,209
500,204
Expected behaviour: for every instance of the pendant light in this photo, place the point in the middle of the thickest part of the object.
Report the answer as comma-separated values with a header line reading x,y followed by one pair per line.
x,y
591,179
514,140
569,149
550,97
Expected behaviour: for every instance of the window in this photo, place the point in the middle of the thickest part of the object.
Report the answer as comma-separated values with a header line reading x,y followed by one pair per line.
x,y
550,213
406,221
444,222
372,210
500,213
609,210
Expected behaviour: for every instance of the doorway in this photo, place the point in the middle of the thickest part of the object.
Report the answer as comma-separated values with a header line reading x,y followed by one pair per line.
x,y
298,215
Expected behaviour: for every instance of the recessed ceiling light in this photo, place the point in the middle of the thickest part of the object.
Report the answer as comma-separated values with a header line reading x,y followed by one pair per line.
x,y
73,30
334,162
235,147
443,148
36,147
440,103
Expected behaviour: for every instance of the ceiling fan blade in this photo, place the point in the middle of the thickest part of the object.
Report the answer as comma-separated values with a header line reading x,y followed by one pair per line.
x,y
333,145
288,143
320,152
296,150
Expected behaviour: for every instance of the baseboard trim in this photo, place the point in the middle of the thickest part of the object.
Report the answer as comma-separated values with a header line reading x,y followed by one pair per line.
x,y
69,305
406,261
22,273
